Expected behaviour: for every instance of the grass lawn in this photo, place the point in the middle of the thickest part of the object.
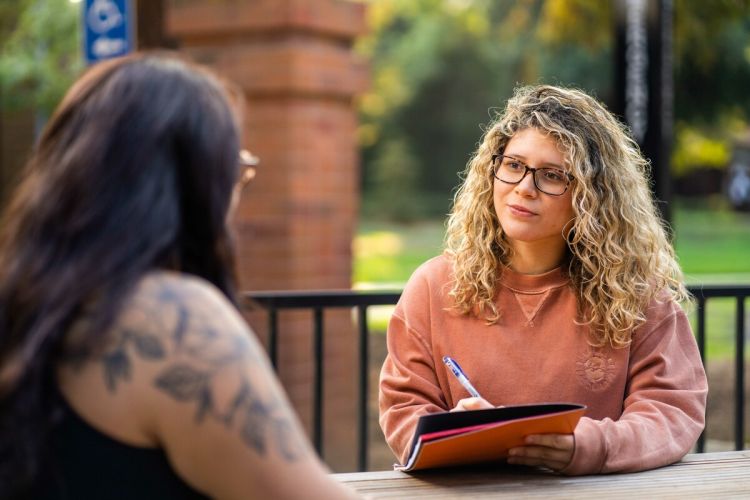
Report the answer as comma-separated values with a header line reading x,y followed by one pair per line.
x,y
385,253
712,243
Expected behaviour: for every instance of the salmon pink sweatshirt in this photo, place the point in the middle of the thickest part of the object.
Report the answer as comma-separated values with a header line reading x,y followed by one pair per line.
x,y
645,402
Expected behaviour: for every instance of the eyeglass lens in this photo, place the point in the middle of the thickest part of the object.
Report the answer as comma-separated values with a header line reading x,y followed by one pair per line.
x,y
547,180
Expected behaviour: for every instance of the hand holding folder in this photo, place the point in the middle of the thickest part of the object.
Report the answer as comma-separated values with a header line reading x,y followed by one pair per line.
x,y
475,436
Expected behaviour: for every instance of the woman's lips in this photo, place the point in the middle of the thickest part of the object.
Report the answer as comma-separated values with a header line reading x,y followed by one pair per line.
x,y
520,211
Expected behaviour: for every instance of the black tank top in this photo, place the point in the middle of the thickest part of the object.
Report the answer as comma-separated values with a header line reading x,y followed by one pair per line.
x,y
85,463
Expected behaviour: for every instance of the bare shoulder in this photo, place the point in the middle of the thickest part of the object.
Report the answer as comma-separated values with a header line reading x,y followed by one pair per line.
x,y
197,348
173,295
176,318
179,350
157,283
184,364
184,311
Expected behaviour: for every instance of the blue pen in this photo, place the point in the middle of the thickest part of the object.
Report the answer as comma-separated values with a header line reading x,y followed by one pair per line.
x,y
460,375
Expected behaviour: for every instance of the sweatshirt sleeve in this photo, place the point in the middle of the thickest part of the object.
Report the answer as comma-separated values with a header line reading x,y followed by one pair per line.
x,y
408,385
664,405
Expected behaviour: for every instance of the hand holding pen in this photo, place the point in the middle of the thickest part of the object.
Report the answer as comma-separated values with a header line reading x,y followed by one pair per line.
x,y
476,401
460,375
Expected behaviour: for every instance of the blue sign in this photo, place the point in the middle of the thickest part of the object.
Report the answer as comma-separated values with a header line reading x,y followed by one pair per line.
x,y
108,29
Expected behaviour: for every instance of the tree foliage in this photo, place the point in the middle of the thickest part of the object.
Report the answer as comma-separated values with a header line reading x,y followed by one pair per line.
x,y
40,52
441,68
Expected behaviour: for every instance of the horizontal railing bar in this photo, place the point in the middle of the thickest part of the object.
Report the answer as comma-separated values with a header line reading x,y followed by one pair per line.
x,y
290,299
707,291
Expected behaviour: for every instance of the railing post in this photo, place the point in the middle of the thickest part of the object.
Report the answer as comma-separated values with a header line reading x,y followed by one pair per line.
x,y
364,380
739,422
701,340
273,337
318,384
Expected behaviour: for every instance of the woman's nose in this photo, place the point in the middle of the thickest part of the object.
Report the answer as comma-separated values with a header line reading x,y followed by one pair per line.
x,y
527,187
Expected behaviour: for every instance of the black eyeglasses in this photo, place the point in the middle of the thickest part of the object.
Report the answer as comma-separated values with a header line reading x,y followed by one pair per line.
x,y
248,163
552,181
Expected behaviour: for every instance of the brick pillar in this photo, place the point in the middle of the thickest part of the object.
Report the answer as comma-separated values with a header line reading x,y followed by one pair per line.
x,y
294,63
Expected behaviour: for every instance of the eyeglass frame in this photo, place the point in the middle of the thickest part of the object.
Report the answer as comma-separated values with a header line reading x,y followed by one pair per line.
x,y
248,162
568,175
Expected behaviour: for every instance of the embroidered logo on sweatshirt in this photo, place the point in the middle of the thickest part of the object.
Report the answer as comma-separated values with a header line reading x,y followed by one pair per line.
x,y
595,369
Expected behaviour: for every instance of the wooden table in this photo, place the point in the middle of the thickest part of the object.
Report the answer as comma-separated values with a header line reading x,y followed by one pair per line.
x,y
706,475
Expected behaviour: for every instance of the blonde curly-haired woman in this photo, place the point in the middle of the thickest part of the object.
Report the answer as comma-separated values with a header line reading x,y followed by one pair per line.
x,y
558,283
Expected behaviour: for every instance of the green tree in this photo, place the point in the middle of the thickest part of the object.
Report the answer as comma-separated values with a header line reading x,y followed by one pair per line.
x,y
40,52
440,67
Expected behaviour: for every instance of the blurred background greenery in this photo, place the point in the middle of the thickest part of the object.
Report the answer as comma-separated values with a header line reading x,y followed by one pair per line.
x,y
41,52
440,70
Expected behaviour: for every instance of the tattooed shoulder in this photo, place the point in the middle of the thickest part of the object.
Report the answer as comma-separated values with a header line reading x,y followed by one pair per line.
x,y
205,354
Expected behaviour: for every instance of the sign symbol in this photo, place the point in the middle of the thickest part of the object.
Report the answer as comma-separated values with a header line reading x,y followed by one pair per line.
x,y
104,15
105,47
108,29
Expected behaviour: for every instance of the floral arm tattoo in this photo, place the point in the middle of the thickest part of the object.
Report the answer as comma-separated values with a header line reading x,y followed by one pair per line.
x,y
207,356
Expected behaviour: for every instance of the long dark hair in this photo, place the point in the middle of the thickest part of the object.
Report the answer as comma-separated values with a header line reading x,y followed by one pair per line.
x,y
134,172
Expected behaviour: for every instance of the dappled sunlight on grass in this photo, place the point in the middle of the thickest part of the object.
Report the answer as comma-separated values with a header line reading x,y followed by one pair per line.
x,y
387,253
712,240
378,318
378,243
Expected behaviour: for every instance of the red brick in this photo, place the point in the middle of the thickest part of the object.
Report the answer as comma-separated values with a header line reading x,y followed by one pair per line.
x,y
199,18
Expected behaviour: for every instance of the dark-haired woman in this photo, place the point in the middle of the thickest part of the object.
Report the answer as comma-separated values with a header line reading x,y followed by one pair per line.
x,y
125,368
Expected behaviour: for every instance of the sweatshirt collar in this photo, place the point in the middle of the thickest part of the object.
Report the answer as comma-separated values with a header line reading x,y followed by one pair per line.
x,y
534,282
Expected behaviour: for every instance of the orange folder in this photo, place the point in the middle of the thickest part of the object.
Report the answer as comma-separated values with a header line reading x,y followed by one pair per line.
x,y
468,437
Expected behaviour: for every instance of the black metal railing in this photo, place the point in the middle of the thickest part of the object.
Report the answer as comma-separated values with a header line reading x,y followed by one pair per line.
x,y
318,301
740,293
